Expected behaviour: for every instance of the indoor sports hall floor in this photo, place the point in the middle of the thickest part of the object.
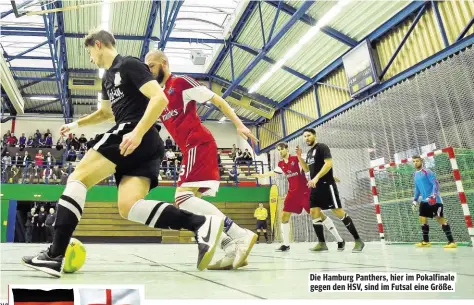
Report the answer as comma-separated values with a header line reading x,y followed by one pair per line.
x,y
169,271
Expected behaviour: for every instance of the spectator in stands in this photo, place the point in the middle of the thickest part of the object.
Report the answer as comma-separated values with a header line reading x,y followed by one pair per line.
x,y
15,174
30,174
6,136
48,132
64,175
170,158
12,140
82,150
233,152
26,158
17,160
22,140
82,139
42,142
75,142
29,225
35,225
50,219
35,174
37,135
238,156
47,174
30,142
219,163
56,179
50,160
169,143
41,225
247,156
71,154
60,143
49,141
6,160
39,158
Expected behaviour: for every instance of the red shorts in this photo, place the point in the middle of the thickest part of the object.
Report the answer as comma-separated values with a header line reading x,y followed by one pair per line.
x,y
296,201
199,168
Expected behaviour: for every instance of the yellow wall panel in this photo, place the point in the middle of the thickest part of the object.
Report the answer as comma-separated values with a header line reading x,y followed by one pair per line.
x,y
424,41
305,104
456,15
268,134
332,97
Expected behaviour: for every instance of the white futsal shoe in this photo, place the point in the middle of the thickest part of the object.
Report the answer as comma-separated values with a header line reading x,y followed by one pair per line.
x,y
244,245
207,237
229,246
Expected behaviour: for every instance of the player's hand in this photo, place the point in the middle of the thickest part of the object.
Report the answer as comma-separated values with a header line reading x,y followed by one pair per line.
x,y
67,128
337,180
245,133
414,206
130,142
299,151
312,183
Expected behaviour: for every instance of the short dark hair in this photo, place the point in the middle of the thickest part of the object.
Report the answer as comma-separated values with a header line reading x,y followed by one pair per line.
x,y
282,145
416,157
310,130
103,36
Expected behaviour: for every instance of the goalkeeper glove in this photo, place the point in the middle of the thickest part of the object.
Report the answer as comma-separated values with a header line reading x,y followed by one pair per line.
x,y
414,206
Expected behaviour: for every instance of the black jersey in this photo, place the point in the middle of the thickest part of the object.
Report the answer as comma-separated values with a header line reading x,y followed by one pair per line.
x,y
315,160
121,85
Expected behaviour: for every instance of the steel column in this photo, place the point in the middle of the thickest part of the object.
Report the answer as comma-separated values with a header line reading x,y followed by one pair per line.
x,y
299,113
466,29
261,22
27,51
149,28
439,20
402,43
283,125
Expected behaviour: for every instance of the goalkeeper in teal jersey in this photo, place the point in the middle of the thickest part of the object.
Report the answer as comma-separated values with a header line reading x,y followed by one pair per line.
x,y
431,205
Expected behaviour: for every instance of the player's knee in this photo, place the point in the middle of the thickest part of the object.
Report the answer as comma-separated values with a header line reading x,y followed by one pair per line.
x,y
315,213
125,205
340,213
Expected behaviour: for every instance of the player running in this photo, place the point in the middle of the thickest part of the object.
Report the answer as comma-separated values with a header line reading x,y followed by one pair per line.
x,y
199,173
132,150
297,197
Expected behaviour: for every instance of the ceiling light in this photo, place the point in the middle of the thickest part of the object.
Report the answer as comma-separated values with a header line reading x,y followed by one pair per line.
x,y
291,53
43,98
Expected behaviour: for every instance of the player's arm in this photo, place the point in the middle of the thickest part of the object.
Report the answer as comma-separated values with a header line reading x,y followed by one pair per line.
x,y
223,106
274,172
156,105
303,164
325,169
434,182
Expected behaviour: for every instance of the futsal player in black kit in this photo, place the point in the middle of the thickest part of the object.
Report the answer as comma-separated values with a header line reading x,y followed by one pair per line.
x,y
132,150
324,194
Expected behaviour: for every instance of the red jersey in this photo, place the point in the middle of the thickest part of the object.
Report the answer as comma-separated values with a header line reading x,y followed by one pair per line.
x,y
295,175
180,116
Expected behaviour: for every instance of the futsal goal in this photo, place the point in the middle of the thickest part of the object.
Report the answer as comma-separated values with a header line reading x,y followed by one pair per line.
x,y
393,190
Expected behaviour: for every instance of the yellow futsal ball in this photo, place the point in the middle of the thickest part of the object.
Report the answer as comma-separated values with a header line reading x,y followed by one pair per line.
x,y
75,256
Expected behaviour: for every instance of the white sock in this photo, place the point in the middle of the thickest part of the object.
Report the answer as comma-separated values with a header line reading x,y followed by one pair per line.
x,y
285,233
188,202
332,228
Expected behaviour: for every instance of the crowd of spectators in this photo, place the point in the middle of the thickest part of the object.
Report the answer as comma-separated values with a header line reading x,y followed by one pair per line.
x,y
39,223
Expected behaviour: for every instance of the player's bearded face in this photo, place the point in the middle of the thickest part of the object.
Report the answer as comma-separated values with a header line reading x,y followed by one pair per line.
x,y
309,138
160,74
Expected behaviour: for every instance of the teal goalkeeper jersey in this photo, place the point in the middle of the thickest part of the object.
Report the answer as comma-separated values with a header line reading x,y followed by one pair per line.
x,y
426,185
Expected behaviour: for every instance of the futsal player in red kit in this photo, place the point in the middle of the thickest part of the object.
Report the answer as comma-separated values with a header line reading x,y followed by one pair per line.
x,y
297,197
199,174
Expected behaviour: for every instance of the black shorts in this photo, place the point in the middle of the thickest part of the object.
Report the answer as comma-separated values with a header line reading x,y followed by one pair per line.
x,y
325,196
430,211
143,162
261,224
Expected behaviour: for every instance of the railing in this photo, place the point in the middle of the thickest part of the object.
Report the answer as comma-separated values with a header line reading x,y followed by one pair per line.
x,y
31,173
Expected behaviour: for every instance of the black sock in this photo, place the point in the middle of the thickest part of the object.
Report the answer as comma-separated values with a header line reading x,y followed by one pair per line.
x,y
347,220
447,231
175,219
266,236
319,230
258,236
425,229
64,226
